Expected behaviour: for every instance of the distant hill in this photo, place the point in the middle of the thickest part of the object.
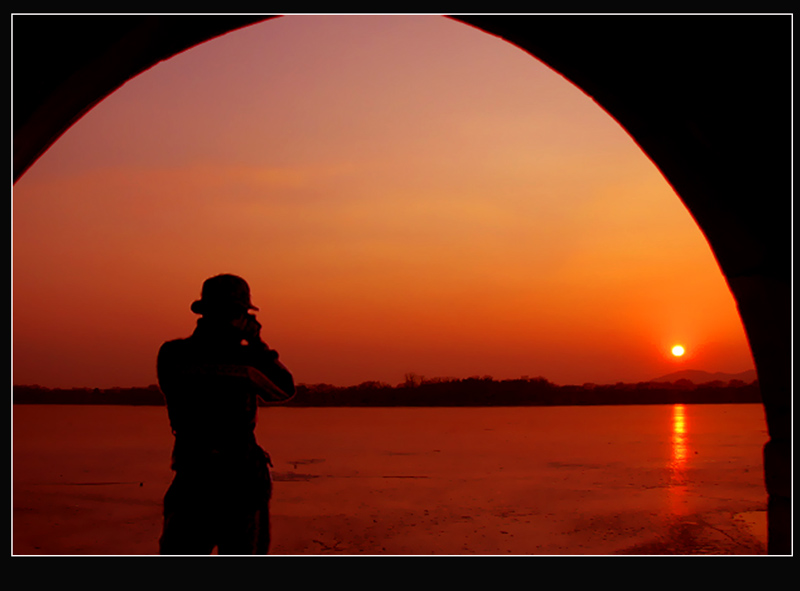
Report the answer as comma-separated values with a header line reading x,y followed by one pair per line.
x,y
697,376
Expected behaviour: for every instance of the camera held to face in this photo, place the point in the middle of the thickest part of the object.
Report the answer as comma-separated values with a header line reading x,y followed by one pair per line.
x,y
251,328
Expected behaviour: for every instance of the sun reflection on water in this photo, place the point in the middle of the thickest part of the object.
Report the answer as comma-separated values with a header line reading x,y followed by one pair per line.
x,y
678,460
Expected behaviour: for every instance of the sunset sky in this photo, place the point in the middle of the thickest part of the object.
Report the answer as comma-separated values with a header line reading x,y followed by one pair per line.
x,y
403,194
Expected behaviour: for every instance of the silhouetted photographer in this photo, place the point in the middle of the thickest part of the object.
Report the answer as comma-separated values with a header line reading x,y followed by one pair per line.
x,y
211,381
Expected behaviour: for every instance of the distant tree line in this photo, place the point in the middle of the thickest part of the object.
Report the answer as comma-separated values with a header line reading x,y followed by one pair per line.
x,y
149,396
418,391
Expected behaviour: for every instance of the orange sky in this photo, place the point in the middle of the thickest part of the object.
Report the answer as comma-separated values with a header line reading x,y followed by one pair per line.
x,y
403,193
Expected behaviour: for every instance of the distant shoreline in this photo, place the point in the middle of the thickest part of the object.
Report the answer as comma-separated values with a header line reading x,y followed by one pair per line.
x,y
473,391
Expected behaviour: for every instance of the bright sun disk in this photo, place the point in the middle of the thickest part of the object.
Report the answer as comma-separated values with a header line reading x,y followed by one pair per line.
x,y
678,350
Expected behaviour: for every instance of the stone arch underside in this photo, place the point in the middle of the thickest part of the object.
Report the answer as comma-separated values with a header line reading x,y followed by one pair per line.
x,y
707,98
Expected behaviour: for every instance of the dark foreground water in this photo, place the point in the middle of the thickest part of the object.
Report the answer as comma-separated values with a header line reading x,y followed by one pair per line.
x,y
682,479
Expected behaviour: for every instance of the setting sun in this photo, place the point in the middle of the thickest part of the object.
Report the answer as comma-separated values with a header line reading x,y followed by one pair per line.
x,y
678,351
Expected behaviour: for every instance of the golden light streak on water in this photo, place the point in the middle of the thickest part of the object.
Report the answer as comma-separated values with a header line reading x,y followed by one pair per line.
x,y
678,461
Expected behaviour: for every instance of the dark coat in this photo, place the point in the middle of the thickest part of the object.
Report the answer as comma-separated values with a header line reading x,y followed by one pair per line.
x,y
211,382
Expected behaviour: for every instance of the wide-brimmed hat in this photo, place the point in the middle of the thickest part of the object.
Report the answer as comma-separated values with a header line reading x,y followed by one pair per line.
x,y
223,292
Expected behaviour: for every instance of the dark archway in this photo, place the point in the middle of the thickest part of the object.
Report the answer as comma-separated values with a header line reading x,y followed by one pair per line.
x,y
707,98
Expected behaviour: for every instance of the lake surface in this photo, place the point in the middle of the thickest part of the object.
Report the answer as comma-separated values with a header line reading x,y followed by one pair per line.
x,y
602,480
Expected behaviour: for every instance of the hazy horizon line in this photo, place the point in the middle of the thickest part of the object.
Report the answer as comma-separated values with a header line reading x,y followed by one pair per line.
x,y
714,376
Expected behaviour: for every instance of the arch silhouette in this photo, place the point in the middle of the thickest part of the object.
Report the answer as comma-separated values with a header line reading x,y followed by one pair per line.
x,y
707,98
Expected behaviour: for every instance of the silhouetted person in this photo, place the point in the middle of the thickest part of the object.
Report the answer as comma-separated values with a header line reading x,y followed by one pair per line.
x,y
220,494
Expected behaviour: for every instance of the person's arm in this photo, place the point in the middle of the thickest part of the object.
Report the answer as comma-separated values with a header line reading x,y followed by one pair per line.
x,y
274,381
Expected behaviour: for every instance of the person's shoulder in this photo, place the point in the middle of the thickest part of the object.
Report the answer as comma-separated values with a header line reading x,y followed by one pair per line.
x,y
174,345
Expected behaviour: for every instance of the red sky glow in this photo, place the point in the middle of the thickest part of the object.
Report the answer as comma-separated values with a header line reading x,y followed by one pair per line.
x,y
403,194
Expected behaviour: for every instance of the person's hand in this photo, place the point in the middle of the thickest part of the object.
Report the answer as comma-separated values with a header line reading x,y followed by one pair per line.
x,y
251,331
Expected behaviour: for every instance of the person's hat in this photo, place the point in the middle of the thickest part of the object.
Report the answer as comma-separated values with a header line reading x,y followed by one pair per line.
x,y
223,292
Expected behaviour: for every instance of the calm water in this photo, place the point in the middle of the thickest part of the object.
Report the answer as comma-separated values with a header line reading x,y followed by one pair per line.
x,y
562,480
